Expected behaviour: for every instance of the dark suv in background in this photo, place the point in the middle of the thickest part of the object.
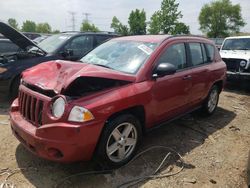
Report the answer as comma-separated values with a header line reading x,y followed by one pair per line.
x,y
65,46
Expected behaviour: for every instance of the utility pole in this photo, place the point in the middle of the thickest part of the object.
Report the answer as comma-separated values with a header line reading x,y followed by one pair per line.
x,y
73,20
86,14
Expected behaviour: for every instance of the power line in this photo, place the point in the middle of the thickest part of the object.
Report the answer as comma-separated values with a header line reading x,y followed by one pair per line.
x,y
86,14
73,20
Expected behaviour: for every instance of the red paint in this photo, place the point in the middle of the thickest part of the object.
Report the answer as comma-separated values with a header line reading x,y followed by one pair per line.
x,y
162,99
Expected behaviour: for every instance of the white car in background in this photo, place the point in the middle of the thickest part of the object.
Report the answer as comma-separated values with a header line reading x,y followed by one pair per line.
x,y
235,52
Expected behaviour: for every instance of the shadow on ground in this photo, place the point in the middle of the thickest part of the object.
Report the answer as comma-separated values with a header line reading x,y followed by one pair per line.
x,y
182,135
238,87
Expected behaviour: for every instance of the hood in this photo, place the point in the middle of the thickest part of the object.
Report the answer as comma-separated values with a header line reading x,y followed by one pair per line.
x,y
58,75
235,54
16,37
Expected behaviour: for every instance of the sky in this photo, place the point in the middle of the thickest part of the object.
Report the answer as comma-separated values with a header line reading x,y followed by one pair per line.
x,y
57,12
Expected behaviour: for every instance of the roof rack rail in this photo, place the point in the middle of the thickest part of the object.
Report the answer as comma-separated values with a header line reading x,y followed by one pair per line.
x,y
187,35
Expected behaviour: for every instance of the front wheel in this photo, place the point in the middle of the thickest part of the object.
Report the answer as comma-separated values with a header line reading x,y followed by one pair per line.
x,y
212,100
119,141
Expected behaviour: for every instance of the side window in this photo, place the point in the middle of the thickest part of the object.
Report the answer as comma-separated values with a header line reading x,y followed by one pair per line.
x,y
176,55
8,47
101,38
204,53
210,52
80,45
196,53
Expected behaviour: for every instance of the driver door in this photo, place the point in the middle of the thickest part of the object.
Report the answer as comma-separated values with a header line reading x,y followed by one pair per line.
x,y
171,92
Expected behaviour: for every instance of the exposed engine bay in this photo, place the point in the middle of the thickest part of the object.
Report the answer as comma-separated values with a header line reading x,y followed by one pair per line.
x,y
83,86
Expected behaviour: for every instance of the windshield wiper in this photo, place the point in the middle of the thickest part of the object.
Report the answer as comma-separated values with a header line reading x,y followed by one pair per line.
x,y
103,66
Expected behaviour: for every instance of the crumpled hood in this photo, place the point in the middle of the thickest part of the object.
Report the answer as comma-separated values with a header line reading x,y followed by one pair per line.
x,y
57,75
235,54
16,37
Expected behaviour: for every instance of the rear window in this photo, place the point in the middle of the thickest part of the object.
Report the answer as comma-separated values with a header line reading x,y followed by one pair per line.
x,y
101,38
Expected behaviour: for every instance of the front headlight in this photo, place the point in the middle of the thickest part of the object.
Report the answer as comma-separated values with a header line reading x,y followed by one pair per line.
x,y
58,107
80,114
243,63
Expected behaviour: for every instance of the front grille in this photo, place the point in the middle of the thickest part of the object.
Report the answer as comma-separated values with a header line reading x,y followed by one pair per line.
x,y
233,64
31,108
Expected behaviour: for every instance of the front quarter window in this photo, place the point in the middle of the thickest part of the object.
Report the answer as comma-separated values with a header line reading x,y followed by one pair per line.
x,y
124,56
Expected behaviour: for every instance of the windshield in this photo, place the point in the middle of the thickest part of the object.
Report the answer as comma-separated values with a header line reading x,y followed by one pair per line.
x,y
52,43
124,56
237,44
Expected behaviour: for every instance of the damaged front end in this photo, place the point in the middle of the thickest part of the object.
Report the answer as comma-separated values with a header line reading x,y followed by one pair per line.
x,y
84,86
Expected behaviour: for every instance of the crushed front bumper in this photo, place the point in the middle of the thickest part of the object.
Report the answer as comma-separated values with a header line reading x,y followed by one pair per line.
x,y
62,142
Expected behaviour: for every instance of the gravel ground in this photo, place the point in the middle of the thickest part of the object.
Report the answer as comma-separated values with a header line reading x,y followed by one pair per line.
x,y
214,149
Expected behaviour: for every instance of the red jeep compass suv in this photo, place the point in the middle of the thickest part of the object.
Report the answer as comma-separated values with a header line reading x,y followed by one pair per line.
x,y
100,106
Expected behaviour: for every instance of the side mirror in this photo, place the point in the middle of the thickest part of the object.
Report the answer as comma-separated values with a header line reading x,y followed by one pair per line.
x,y
164,69
67,53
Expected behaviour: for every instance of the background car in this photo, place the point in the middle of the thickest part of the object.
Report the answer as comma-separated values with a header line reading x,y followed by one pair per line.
x,y
235,52
218,42
67,46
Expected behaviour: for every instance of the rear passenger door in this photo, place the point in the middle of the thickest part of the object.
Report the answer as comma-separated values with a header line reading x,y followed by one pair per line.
x,y
200,72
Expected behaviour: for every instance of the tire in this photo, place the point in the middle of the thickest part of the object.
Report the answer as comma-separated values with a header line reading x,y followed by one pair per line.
x,y
119,141
14,88
211,102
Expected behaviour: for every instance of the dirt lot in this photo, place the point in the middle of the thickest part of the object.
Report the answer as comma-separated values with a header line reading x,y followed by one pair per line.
x,y
214,149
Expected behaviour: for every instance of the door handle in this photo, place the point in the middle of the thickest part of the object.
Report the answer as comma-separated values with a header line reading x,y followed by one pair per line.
x,y
187,77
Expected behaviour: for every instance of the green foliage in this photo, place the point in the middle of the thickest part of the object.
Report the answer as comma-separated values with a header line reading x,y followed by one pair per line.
x,y
169,15
137,22
43,28
86,26
119,27
220,18
29,26
13,23
155,23
180,28
166,19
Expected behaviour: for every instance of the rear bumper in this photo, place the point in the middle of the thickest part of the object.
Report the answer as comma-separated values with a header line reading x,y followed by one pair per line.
x,y
61,142
238,75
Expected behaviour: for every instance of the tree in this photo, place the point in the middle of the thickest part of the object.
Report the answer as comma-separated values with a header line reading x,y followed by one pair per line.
x,y
180,28
220,18
29,26
86,26
169,15
13,23
155,24
119,27
166,19
43,28
137,22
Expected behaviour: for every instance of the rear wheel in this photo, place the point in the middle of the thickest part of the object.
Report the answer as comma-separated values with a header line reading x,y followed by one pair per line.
x,y
119,141
211,102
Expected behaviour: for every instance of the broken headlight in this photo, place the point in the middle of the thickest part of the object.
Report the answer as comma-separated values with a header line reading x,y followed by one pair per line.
x,y
80,114
58,107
